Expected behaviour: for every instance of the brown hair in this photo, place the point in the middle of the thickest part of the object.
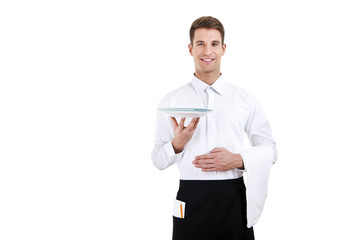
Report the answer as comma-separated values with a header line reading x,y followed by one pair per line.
x,y
206,22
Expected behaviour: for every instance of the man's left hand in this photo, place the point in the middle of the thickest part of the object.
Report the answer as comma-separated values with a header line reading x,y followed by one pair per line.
x,y
219,159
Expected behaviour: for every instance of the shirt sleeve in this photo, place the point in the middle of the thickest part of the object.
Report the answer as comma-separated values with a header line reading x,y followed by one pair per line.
x,y
163,154
258,160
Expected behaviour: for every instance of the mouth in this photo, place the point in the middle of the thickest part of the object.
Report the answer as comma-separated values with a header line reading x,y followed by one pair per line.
x,y
207,60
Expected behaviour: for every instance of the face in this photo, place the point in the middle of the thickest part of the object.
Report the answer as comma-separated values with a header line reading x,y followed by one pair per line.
x,y
207,50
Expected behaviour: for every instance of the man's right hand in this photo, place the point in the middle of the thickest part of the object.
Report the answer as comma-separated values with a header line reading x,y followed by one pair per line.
x,y
183,134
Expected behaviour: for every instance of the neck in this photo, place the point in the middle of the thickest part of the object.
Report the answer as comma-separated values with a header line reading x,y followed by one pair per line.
x,y
208,78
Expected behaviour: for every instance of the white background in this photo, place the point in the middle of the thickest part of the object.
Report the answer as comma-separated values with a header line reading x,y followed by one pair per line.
x,y
80,82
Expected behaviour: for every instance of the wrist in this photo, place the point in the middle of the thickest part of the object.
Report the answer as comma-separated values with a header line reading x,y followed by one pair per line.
x,y
239,161
176,148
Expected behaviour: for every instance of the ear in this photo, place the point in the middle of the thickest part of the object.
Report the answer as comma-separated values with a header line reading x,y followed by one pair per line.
x,y
190,48
224,48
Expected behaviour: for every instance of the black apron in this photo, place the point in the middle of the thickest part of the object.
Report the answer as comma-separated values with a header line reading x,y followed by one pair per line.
x,y
214,210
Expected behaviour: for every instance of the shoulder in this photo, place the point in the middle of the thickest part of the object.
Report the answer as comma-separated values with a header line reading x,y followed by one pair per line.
x,y
239,92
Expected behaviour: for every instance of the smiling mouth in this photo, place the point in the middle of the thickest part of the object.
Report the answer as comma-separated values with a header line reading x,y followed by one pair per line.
x,y
207,60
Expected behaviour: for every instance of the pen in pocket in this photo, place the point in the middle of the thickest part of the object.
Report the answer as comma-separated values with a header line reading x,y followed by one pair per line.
x,y
181,210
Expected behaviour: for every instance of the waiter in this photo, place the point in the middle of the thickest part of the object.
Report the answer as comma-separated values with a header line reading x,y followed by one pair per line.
x,y
212,201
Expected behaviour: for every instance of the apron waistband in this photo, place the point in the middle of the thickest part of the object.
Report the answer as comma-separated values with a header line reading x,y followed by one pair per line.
x,y
212,183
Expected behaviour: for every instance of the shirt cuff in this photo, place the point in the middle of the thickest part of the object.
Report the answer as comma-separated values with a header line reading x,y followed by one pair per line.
x,y
244,163
168,147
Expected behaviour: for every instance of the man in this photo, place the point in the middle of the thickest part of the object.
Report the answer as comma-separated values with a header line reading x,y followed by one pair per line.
x,y
213,200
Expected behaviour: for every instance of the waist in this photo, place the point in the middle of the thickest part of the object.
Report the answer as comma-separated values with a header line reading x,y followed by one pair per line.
x,y
211,183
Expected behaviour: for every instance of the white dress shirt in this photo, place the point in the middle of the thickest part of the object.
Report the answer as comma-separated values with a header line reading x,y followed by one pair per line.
x,y
236,114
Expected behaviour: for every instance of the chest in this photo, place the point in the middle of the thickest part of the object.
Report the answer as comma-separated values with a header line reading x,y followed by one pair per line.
x,y
230,112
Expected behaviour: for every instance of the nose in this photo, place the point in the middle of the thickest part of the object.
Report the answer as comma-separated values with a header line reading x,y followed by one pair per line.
x,y
207,49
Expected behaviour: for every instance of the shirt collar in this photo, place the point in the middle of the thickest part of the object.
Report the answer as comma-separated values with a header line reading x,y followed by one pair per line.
x,y
200,86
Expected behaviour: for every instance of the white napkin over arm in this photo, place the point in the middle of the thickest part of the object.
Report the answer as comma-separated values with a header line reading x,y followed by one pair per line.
x,y
258,161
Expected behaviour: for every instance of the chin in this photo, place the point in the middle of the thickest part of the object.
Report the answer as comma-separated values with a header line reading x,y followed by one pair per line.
x,y
208,70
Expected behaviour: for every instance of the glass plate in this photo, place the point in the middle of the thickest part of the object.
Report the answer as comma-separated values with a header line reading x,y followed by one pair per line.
x,y
185,112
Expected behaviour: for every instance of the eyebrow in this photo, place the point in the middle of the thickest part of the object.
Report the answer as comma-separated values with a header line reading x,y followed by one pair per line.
x,y
214,41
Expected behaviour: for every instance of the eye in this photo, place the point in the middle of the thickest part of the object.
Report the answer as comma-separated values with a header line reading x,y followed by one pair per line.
x,y
200,44
215,44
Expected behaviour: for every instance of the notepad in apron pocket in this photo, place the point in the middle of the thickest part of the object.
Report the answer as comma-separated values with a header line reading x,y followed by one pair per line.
x,y
179,208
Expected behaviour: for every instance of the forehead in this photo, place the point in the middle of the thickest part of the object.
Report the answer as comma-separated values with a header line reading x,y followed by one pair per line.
x,y
204,34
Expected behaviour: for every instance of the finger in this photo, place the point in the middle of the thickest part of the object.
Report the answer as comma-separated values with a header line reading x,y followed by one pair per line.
x,y
196,124
204,156
174,122
203,162
207,166
192,124
209,169
217,149
181,122
204,166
